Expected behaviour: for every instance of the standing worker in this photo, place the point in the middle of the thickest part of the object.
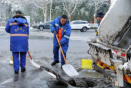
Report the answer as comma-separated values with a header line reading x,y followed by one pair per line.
x,y
99,16
61,27
19,33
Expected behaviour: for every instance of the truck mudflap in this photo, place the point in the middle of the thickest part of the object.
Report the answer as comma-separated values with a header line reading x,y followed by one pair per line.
x,y
113,62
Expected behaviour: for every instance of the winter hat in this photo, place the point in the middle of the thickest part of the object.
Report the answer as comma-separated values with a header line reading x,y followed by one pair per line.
x,y
18,12
100,14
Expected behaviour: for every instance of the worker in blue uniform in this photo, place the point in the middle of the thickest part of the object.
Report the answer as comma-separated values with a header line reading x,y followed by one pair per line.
x,y
61,27
19,33
99,16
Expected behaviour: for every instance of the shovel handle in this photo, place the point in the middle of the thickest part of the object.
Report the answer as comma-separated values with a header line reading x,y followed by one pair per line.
x,y
29,55
61,49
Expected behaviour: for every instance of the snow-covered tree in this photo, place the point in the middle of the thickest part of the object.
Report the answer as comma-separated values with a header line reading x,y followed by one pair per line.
x,y
15,4
20,4
96,4
42,4
44,10
70,6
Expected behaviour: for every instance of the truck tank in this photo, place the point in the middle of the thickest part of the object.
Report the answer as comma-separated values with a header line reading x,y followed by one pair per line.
x,y
115,26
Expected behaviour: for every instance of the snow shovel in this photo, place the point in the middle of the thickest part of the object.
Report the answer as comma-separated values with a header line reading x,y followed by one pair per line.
x,y
38,66
50,72
69,69
87,64
11,61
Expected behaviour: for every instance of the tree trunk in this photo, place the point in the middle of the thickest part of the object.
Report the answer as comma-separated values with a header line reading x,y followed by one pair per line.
x,y
94,19
50,9
44,12
96,5
69,18
45,15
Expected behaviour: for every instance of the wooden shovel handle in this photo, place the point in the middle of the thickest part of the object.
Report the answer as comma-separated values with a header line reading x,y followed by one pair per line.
x,y
61,49
29,55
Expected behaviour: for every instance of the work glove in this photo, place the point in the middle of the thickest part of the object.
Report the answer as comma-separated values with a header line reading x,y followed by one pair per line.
x,y
55,32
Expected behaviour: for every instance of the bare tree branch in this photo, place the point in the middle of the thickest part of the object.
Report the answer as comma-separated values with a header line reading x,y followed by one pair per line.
x,y
74,8
101,5
37,5
64,4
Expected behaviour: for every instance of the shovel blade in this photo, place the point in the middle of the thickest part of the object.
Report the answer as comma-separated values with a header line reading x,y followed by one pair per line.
x,y
11,62
70,70
51,74
35,64
38,66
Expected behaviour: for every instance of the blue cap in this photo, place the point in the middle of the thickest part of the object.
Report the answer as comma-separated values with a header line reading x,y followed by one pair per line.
x,y
18,12
100,14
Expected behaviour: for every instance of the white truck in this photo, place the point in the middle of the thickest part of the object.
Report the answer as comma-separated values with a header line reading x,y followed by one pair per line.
x,y
111,48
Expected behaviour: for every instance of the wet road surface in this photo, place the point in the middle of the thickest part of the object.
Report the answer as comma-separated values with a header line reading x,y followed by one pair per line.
x,y
41,49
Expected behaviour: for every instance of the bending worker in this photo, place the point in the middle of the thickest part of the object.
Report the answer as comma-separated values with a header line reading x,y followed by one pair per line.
x,y
19,33
61,27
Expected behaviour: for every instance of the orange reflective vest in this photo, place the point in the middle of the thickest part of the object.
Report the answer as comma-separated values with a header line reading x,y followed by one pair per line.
x,y
60,33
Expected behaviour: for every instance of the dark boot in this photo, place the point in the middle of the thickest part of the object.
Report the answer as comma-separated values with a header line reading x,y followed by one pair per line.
x,y
23,69
16,72
55,62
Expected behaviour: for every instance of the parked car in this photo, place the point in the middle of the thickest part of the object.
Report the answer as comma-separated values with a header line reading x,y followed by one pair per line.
x,y
83,26
45,25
